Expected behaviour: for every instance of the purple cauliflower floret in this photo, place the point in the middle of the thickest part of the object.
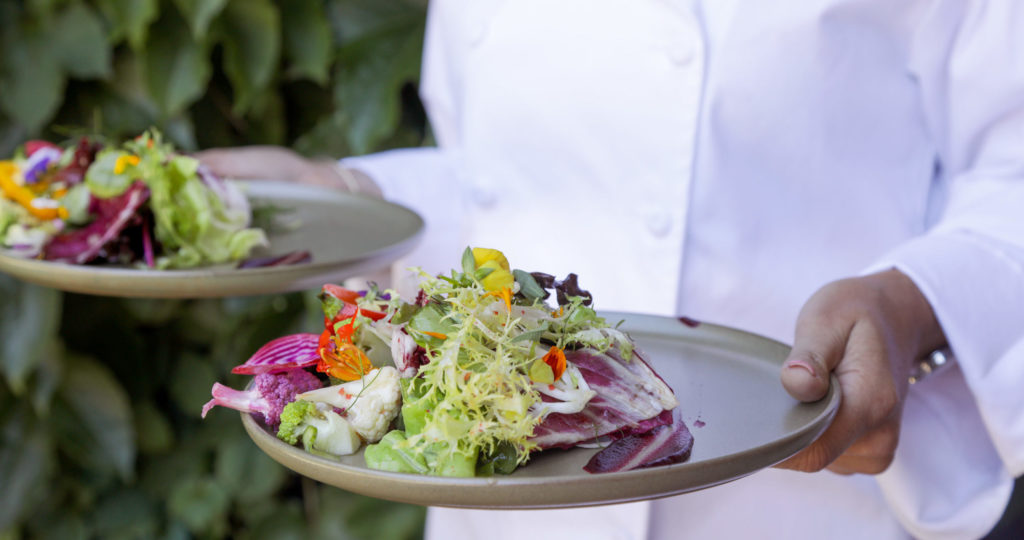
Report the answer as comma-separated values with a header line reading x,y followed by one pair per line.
x,y
268,395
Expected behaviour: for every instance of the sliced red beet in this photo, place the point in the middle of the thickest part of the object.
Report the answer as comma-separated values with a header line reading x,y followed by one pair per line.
x,y
662,445
284,353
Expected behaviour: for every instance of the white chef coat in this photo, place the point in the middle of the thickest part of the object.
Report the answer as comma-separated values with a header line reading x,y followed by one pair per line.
x,y
724,159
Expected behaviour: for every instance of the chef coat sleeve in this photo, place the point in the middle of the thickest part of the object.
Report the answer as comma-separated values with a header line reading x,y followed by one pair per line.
x,y
963,432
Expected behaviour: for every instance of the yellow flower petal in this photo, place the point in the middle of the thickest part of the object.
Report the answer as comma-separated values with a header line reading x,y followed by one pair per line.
x,y
484,255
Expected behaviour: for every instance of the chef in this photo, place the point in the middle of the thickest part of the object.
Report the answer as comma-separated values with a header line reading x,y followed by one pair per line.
x,y
843,175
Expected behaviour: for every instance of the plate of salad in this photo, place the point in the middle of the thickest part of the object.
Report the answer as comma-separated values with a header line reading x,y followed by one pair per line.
x,y
501,388
140,219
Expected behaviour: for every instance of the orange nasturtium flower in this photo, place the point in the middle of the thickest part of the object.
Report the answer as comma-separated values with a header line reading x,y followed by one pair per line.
x,y
548,368
339,358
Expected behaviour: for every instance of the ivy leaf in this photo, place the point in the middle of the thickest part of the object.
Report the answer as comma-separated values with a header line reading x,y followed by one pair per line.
x,y
31,316
26,462
200,503
372,73
31,79
252,48
190,383
199,14
307,39
125,514
176,68
93,418
245,472
79,42
129,18
154,431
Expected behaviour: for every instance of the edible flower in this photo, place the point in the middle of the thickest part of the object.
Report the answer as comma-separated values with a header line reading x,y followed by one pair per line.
x,y
123,161
39,207
500,276
339,358
38,162
505,293
548,368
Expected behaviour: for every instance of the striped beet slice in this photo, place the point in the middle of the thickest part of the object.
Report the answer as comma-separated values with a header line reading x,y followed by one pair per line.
x,y
284,353
662,445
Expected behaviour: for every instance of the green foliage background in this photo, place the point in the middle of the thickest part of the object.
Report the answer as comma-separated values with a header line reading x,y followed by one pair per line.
x,y
100,435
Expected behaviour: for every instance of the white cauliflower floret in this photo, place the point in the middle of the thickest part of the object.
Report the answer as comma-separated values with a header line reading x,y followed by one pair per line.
x,y
369,404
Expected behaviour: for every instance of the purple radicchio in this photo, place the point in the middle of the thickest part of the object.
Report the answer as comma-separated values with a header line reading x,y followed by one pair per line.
x,y
111,217
630,399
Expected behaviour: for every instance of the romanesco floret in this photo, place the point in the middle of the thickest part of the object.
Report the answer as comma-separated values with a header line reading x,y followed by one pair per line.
x,y
369,404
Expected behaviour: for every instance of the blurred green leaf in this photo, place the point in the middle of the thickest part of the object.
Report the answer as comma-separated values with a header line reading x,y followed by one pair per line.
x,y
190,383
43,9
164,470
124,515
152,311
246,472
307,39
79,42
59,524
47,377
155,433
26,462
330,522
30,316
371,74
31,79
286,522
199,14
374,519
267,120
252,48
175,68
129,19
200,503
94,420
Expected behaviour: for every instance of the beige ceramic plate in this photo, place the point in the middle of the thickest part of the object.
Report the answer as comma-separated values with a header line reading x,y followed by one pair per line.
x,y
730,397
346,234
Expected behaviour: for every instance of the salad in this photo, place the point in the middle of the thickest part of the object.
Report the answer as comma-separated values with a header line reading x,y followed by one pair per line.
x,y
471,377
139,203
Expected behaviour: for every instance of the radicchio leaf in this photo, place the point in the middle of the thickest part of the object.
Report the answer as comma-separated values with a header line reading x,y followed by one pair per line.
x,y
631,398
281,354
111,217
661,445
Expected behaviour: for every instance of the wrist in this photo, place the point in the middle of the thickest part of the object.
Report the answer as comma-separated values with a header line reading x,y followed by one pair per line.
x,y
913,312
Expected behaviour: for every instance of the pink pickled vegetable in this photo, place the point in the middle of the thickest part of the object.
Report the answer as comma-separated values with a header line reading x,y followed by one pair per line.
x,y
662,445
269,394
284,353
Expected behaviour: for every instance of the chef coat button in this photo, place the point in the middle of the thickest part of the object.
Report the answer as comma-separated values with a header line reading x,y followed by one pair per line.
x,y
659,223
680,52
